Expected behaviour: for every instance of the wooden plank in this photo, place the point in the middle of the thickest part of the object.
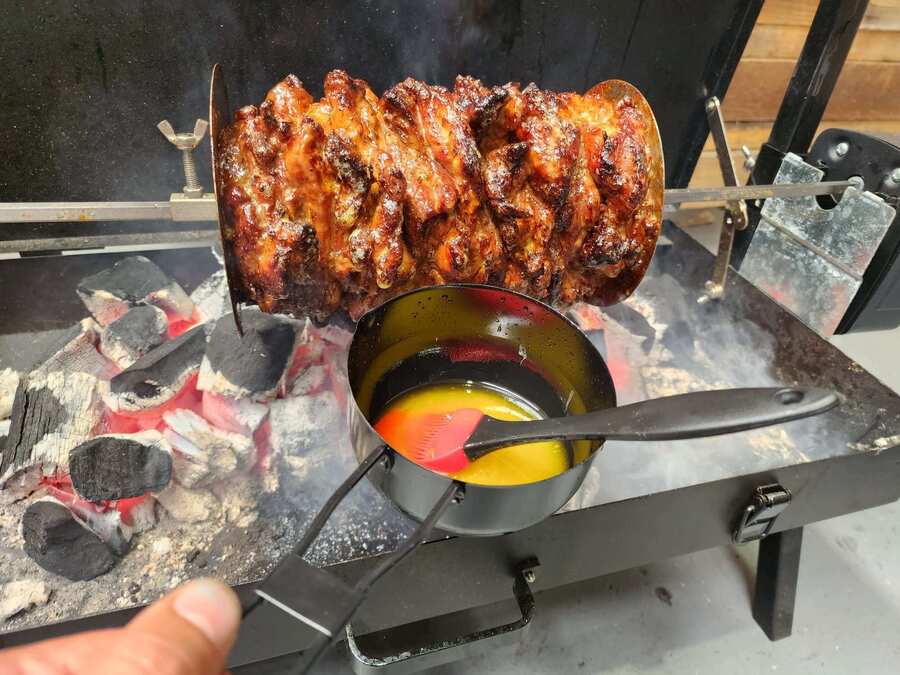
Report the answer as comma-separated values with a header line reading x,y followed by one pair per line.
x,y
754,134
785,42
880,15
865,91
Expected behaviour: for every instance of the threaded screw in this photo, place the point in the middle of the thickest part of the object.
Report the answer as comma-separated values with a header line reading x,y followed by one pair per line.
x,y
186,142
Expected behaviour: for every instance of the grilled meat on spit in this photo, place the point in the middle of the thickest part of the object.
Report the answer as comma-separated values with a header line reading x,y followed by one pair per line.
x,y
346,201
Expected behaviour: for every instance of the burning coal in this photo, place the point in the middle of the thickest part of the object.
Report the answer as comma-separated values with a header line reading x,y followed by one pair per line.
x,y
156,408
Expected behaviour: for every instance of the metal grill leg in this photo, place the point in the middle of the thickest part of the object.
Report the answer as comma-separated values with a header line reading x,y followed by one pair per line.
x,y
777,569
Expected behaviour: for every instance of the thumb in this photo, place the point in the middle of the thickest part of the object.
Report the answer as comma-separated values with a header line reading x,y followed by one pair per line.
x,y
189,632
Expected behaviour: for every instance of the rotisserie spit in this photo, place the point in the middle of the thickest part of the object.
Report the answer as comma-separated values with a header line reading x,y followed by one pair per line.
x,y
344,202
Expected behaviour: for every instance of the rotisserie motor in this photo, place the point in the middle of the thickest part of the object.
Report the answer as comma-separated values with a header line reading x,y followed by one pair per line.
x,y
346,201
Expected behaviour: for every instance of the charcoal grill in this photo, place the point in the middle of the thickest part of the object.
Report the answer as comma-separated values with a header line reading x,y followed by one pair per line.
x,y
672,498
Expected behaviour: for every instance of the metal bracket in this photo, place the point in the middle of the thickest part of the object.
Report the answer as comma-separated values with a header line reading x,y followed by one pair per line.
x,y
767,503
735,210
812,260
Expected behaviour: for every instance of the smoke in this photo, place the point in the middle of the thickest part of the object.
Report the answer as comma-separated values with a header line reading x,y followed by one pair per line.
x,y
662,342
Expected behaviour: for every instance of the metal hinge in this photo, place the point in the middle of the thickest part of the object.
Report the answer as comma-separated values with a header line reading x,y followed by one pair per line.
x,y
757,520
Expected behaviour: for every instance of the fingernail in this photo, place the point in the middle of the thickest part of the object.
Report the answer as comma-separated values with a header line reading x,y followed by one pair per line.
x,y
212,608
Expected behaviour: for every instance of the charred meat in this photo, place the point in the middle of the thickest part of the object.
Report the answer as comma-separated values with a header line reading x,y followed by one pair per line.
x,y
343,202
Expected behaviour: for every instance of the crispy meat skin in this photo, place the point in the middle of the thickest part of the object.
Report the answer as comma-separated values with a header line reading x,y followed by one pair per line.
x,y
343,202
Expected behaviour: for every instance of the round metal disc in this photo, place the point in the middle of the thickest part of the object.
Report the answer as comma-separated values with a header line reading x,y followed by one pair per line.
x,y
219,116
616,91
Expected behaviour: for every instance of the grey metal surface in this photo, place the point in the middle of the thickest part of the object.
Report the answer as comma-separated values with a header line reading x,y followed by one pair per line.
x,y
809,259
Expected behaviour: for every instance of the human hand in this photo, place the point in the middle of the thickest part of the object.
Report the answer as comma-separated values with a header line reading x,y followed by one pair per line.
x,y
188,632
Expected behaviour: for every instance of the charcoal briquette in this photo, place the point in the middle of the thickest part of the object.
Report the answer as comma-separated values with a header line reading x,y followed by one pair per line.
x,y
117,466
254,364
134,334
56,541
132,281
158,375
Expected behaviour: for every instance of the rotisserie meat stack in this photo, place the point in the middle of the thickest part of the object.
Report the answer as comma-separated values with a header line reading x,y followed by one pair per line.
x,y
346,201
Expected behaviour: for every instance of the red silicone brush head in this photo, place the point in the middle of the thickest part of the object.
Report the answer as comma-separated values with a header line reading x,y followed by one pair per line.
x,y
434,440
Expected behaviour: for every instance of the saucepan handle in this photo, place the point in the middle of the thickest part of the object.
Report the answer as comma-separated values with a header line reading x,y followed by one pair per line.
x,y
446,651
693,415
317,596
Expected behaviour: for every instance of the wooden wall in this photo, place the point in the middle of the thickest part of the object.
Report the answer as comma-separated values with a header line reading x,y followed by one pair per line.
x,y
866,98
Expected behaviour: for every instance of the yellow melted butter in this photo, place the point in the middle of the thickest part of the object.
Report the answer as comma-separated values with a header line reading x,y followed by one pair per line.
x,y
515,465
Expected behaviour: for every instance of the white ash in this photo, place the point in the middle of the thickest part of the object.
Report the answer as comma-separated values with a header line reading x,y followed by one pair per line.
x,y
132,335
110,526
173,301
204,453
669,381
4,428
79,395
303,423
142,516
57,405
9,380
162,546
107,524
24,484
211,298
190,506
238,497
310,380
243,416
132,281
104,306
334,334
309,345
79,353
237,528
20,596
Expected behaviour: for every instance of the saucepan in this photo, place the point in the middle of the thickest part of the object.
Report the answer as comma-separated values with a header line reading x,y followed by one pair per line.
x,y
496,337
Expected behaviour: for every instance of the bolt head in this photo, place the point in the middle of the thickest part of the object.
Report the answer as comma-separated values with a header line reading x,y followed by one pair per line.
x,y
895,175
529,576
842,148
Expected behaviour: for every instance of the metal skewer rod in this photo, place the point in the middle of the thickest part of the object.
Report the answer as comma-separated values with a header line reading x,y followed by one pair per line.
x,y
48,212
743,192
204,209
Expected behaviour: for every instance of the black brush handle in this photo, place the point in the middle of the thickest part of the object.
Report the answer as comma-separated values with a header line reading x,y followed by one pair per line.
x,y
695,415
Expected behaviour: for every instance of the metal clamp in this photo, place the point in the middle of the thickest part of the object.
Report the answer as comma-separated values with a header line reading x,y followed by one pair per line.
x,y
768,502
735,210
186,142
447,651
